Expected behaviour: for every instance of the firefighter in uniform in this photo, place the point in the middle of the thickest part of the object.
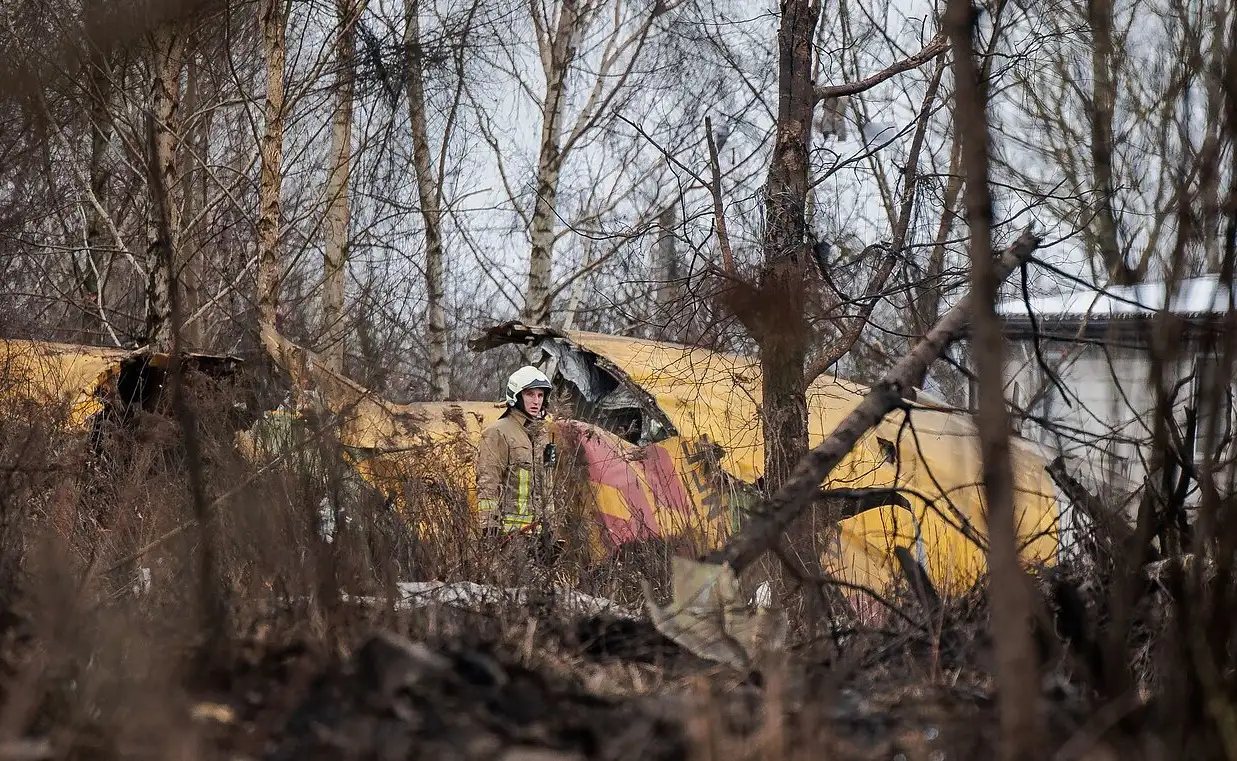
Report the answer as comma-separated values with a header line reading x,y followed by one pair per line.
x,y
512,467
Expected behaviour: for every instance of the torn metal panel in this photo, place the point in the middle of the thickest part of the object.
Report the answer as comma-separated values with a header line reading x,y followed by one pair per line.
x,y
572,365
513,332
602,382
599,388
86,381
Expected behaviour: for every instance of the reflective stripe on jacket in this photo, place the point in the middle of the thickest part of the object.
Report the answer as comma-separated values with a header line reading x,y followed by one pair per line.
x,y
508,459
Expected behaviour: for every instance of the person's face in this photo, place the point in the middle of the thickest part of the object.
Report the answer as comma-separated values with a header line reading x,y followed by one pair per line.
x,y
534,399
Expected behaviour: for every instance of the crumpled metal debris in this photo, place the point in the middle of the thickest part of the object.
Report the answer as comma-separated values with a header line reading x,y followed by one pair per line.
x,y
708,617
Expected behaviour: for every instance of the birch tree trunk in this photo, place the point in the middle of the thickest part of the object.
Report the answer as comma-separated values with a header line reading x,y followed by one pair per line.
x,y
101,131
191,250
430,196
102,128
168,50
273,20
558,51
338,210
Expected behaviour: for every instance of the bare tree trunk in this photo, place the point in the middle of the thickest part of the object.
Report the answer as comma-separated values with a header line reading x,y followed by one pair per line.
x,y
273,21
1009,594
1209,154
168,49
212,602
1103,102
575,299
667,269
780,326
189,259
102,128
431,208
338,209
557,57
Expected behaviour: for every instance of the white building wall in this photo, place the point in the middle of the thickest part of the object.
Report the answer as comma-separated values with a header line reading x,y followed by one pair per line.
x,y
1097,422
1105,431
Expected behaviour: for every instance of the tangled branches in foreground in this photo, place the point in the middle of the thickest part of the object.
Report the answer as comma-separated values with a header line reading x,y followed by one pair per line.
x,y
105,656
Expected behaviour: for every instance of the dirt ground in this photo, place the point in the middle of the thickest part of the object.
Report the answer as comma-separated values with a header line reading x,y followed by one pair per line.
x,y
394,697
593,688
527,683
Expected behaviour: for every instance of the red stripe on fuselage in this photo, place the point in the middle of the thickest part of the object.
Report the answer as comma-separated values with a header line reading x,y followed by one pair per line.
x,y
608,466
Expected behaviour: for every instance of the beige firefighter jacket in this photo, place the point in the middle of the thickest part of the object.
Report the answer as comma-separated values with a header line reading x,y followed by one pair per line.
x,y
510,471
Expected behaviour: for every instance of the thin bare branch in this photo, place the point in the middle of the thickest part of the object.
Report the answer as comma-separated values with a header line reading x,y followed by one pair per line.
x,y
934,48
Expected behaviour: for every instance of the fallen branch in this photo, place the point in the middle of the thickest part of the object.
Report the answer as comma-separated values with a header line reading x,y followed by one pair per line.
x,y
934,48
715,190
890,393
1118,530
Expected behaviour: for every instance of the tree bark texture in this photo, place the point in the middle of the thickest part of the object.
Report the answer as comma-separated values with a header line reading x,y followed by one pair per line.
x,y
168,45
212,603
430,195
779,323
102,128
1009,593
1103,103
1210,154
192,248
338,208
273,21
558,53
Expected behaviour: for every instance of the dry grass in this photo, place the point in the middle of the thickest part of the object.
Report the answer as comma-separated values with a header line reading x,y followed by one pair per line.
x,y
102,661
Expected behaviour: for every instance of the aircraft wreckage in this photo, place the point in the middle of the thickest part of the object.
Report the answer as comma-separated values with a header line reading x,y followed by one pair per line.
x,y
83,386
658,440
666,441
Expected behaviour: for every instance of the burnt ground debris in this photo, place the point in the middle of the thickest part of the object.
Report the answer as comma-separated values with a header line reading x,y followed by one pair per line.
x,y
394,698
524,683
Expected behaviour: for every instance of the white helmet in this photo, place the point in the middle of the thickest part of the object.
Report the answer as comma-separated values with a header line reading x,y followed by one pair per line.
x,y
523,379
